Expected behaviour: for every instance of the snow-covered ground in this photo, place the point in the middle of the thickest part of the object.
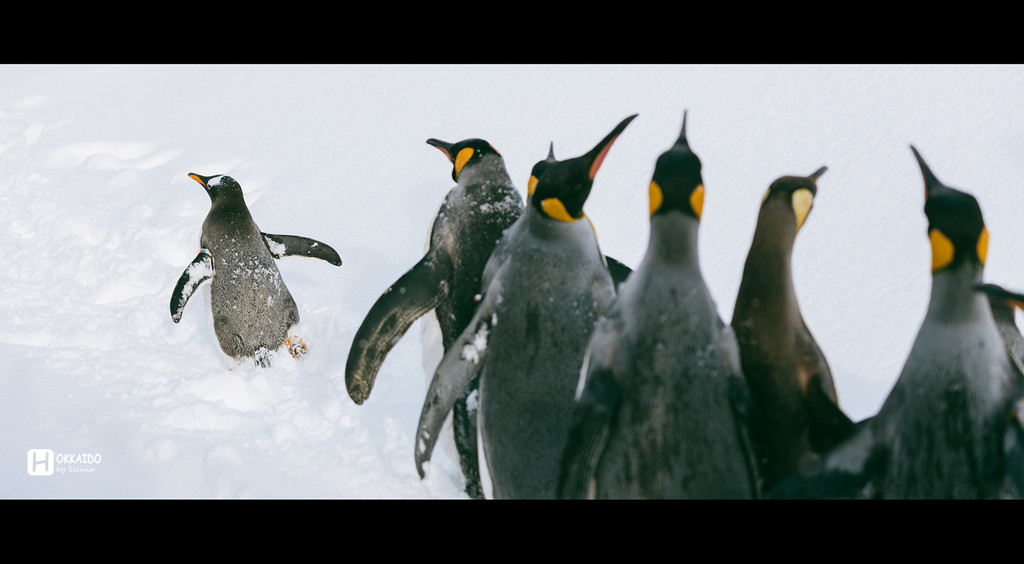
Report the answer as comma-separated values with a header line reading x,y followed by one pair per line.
x,y
98,219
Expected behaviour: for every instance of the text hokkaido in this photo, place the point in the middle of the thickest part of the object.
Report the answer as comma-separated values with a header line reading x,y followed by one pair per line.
x,y
66,458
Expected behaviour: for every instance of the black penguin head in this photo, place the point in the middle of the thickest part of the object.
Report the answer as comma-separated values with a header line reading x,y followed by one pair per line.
x,y
677,184
797,193
956,228
538,170
564,186
464,153
218,186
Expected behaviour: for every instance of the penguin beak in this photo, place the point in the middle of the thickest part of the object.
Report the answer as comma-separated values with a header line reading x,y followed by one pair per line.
x,y
578,175
682,135
443,146
204,180
930,181
598,153
457,160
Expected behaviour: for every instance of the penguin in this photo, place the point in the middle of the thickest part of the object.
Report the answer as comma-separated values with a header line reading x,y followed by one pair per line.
x,y
616,268
795,413
951,427
468,225
253,311
662,403
1005,304
544,289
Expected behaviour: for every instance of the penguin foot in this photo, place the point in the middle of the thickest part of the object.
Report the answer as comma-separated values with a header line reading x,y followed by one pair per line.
x,y
261,357
296,347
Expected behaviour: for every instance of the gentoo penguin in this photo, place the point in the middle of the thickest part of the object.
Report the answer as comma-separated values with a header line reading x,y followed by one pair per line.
x,y
662,403
794,412
253,311
471,220
545,287
951,426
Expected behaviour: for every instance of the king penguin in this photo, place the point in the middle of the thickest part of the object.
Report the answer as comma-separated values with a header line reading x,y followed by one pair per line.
x,y
619,271
661,409
795,412
545,287
951,426
468,225
1005,304
253,311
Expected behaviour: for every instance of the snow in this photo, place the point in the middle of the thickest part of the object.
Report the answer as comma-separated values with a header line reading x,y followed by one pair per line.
x,y
99,220
475,349
276,249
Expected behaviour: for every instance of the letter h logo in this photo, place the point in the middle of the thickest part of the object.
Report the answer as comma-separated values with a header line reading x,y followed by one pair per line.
x,y
40,462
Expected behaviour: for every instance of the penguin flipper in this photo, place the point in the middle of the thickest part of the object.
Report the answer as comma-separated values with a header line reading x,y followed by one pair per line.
x,y
418,291
618,271
464,426
199,271
281,246
461,363
849,471
740,401
828,425
1013,447
588,433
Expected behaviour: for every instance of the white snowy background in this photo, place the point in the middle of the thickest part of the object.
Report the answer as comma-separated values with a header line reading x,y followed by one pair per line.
x,y
98,219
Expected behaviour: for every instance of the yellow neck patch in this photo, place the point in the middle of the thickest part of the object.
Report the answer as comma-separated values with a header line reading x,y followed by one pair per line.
x,y
982,246
656,197
531,186
697,200
942,249
462,158
556,210
802,200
